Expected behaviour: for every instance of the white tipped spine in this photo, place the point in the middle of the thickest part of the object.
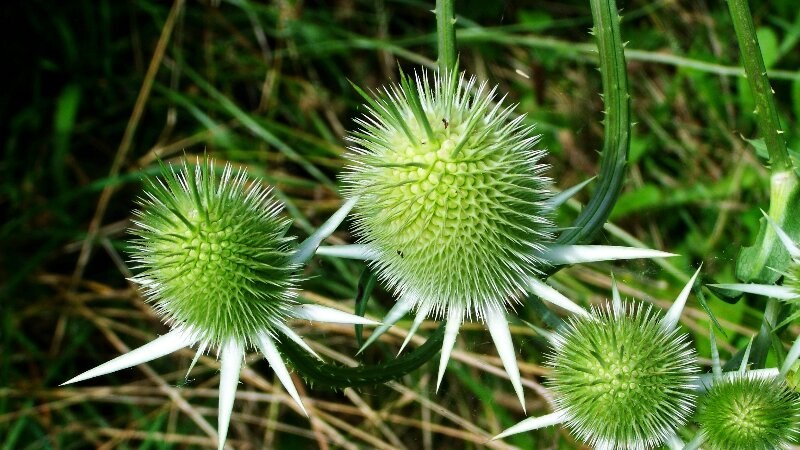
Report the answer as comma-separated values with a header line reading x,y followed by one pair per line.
x,y
670,320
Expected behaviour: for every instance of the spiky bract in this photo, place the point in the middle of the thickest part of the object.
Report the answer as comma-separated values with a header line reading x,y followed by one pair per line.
x,y
451,193
792,278
624,380
749,413
214,253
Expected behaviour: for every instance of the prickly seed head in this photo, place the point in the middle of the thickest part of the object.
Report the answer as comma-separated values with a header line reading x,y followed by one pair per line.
x,y
214,253
451,192
749,413
624,381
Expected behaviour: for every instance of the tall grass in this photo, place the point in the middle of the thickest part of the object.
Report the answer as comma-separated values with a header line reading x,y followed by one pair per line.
x,y
98,91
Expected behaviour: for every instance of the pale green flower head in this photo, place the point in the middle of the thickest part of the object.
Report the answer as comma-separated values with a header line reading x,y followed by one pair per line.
x,y
452,200
746,412
622,379
214,253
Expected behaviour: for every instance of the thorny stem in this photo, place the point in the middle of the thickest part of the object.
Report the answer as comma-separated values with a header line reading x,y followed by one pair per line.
x,y
766,113
617,124
446,34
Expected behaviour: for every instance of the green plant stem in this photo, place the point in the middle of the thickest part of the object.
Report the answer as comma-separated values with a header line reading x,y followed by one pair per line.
x,y
761,343
753,62
446,34
337,376
617,125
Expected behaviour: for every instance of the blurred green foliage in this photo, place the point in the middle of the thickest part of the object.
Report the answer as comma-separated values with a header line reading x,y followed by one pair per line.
x,y
265,84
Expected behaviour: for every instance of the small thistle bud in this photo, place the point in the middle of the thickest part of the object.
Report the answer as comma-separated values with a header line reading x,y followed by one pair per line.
x,y
746,412
214,254
452,200
623,380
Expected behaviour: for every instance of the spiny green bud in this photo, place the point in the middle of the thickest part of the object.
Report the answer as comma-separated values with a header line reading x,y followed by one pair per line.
x,y
214,253
624,379
452,199
745,412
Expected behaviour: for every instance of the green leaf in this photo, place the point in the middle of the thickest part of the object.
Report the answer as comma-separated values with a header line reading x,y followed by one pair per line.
x,y
645,197
66,111
793,377
760,147
698,291
535,18
726,295
763,261
365,285
768,42
796,99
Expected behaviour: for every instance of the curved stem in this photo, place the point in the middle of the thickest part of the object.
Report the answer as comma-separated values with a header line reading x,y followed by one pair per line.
x,y
337,376
617,125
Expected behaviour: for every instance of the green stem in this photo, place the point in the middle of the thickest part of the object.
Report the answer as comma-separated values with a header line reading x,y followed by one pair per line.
x,y
761,343
766,113
337,376
446,34
617,125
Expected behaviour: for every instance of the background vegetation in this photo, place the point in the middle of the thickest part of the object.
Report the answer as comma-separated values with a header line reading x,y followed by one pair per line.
x,y
95,91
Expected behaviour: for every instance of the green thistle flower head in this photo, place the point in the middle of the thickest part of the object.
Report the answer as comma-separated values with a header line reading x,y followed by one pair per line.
x,y
746,412
451,196
623,380
214,253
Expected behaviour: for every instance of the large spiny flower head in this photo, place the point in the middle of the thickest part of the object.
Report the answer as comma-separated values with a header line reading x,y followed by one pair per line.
x,y
214,254
216,263
452,199
742,411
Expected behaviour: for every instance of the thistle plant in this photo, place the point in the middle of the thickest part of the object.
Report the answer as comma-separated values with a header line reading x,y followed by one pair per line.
x,y
623,376
220,270
452,205
453,210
